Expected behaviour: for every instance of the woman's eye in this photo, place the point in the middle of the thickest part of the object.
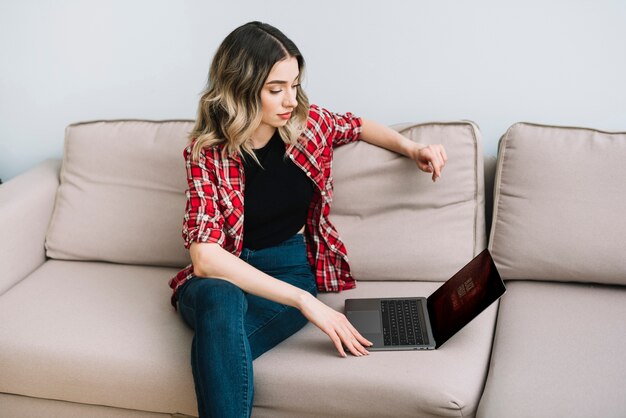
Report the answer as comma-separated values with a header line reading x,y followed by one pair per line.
x,y
278,91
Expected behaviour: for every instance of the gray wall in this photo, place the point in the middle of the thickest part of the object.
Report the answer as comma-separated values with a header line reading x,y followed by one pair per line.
x,y
494,62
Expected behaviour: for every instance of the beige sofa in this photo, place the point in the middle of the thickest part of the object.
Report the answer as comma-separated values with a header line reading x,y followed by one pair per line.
x,y
88,244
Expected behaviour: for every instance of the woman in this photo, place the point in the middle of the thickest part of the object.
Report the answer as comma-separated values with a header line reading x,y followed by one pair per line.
x,y
256,267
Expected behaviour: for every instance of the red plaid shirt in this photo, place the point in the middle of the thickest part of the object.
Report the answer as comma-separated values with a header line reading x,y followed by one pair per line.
x,y
214,210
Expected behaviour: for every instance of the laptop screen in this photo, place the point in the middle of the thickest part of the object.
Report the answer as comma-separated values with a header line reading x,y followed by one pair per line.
x,y
459,300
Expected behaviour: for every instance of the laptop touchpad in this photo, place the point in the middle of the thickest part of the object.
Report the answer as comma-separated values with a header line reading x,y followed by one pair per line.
x,y
366,322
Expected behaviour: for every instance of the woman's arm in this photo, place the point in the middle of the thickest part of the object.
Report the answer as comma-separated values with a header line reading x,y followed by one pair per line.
x,y
211,260
429,158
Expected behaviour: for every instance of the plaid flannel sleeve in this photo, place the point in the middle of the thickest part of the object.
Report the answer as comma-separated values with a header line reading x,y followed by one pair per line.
x,y
203,220
342,128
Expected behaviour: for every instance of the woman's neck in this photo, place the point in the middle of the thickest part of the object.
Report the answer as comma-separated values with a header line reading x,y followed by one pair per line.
x,y
262,136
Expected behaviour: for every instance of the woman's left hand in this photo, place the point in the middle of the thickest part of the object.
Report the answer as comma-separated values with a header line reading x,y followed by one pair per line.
x,y
430,159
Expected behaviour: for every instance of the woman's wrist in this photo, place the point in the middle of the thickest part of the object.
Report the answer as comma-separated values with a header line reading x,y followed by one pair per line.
x,y
303,299
412,148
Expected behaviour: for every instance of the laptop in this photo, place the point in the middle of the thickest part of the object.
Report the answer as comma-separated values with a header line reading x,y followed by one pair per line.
x,y
418,323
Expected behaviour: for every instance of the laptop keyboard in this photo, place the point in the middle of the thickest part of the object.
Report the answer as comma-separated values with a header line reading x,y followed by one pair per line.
x,y
401,324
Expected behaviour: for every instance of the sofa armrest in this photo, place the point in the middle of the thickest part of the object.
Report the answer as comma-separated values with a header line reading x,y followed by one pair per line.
x,y
26,204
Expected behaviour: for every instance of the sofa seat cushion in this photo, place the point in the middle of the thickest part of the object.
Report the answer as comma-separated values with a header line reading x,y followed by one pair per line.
x,y
558,352
96,333
105,334
16,406
301,375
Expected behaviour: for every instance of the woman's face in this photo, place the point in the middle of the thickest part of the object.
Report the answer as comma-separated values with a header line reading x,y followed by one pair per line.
x,y
278,96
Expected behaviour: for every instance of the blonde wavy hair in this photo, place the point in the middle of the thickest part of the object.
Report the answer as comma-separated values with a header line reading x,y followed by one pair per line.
x,y
230,110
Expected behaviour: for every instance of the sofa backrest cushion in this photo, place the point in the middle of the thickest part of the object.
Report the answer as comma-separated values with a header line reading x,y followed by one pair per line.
x,y
399,225
121,199
122,193
560,200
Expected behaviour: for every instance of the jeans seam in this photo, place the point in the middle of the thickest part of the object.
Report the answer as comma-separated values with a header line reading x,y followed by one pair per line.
x,y
263,325
284,308
203,412
245,363
184,307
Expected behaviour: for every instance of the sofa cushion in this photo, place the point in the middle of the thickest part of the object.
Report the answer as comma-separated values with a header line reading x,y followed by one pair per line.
x,y
559,205
558,352
399,225
105,334
16,406
121,199
96,333
437,383
122,193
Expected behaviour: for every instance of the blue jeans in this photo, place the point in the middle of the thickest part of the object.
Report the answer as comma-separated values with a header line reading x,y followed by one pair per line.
x,y
232,327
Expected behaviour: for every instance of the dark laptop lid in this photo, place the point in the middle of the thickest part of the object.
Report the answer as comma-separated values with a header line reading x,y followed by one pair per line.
x,y
464,296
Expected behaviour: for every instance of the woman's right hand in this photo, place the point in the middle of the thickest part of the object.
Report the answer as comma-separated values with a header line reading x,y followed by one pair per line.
x,y
335,325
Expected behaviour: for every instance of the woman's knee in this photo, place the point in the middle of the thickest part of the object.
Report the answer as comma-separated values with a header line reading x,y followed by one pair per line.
x,y
215,298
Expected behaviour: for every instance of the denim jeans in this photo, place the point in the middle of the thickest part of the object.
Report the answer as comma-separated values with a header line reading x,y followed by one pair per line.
x,y
232,327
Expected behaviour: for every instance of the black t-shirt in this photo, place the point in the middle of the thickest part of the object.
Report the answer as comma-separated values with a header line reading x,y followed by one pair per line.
x,y
277,196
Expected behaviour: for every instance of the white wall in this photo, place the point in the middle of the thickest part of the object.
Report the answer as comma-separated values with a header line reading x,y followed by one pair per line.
x,y
494,62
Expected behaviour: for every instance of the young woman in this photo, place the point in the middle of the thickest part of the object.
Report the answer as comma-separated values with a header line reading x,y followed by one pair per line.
x,y
256,221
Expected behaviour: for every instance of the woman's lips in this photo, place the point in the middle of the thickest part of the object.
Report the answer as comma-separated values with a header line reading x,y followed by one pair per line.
x,y
284,115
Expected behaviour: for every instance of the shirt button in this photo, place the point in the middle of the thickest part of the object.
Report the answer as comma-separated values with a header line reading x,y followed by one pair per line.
x,y
291,156
332,246
308,173
323,193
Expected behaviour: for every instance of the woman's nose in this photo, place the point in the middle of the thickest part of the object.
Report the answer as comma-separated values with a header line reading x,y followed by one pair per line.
x,y
291,99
